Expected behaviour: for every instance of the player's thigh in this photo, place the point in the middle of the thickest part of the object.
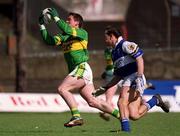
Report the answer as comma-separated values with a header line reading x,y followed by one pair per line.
x,y
124,96
124,92
134,106
86,92
133,95
111,91
71,83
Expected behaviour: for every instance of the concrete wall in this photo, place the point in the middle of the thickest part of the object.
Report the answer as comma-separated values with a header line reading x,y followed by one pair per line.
x,y
45,73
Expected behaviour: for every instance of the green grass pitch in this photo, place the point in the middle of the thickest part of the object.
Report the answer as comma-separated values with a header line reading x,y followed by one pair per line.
x,y
51,124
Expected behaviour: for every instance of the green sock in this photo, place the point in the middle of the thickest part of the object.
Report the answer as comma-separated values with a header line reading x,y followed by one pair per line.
x,y
115,113
75,112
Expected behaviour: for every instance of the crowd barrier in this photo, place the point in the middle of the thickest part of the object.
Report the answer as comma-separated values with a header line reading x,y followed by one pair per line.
x,y
41,102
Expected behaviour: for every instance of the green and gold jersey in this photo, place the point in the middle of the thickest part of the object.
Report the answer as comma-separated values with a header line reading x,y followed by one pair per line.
x,y
73,41
108,58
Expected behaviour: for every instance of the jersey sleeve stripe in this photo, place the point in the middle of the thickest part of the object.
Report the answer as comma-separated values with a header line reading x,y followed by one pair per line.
x,y
139,53
74,32
57,40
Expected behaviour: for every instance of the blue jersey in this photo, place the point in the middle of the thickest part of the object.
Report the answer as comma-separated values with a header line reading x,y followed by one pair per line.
x,y
124,57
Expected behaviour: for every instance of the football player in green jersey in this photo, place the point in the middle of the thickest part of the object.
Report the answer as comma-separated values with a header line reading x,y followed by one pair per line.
x,y
107,75
74,41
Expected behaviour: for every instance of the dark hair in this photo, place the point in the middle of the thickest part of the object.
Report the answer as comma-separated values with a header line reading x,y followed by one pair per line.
x,y
77,17
110,30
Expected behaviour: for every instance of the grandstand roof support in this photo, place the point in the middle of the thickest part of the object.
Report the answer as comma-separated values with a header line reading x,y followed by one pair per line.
x,y
168,10
20,32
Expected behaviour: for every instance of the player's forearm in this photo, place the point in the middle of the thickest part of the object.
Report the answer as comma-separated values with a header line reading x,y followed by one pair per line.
x,y
46,37
62,25
140,65
113,82
75,32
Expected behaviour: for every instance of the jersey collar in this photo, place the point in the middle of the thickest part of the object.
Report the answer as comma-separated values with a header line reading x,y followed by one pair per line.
x,y
119,40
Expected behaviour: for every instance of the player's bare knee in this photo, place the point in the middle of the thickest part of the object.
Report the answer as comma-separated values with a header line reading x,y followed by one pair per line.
x,y
60,91
133,114
134,117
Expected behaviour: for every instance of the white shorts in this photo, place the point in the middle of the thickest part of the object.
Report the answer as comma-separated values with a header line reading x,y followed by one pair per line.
x,y
83,71
130,81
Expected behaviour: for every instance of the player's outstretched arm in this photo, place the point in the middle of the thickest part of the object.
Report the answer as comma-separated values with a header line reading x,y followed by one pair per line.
x,y
53,40
102,89
46,37
66,28
44,33
49,39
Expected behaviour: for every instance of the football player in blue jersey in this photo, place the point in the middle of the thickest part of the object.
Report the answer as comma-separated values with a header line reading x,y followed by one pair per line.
x,y
129,76
107,75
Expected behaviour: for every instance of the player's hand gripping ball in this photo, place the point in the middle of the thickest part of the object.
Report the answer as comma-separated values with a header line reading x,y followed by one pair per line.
x,y
47,16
